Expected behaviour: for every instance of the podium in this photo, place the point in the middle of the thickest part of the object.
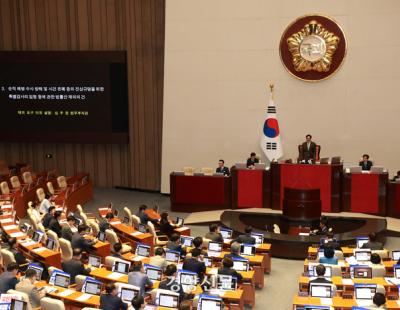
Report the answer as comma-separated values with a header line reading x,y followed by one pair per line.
x,y
302,204
365,192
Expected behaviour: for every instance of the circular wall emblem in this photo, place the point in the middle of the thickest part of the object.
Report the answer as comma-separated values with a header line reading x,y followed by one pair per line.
x,y
313,47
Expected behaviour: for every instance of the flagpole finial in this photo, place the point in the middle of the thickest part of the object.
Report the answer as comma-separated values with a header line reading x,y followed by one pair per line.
x,y
271,86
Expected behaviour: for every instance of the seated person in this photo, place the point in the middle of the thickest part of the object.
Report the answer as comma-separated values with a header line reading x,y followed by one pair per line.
x,y
8,279
138,302
252,160
170,283
222,169
142,215
320,270
27,286
174,244
246,238
158,259
331,243
235,251
117,250
20,259
329,257
48,217
214,234
104,223
396,178
54,223
166,227
45,204
323,227
379,301
68,230
79,241
226,269
74,266
375,259
138,278
110,299
198,244
308,149
372,243
194,264
365,164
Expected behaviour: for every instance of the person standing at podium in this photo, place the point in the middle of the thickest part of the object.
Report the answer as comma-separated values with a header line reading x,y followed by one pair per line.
x,y
365,164
252,160
308,149
222,169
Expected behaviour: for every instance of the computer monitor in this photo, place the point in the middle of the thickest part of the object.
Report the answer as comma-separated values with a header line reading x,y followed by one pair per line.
x,y
153,272
226,283
259,238
125,220
92,287
365,291
121,266
143,250
94,260
362,255
226,233
142,228
215,246
18,305
324,160
50,243
210,303
168,300
62,279
187,241
321,253
320,290
207,261
187,278
180,221
37,236
396,255
172,256
248,249
127,294
38,269
396,271
363,272
25,228
240,265
101,236
360,241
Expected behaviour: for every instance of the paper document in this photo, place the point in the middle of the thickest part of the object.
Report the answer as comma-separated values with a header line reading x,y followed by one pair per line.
x,y
66,293
17,234
326,301
84,297
115,275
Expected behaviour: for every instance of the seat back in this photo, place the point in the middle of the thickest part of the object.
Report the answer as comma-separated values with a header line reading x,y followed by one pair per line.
x,y
336,270
5,190
50,188
24,297
128,214
15,182
111,237
79,281
135,220
207,170
7,256
62,182
109,261
188,170
339,255
378,271
94,226
54,236
47,303
66,249
51,269
84,219
40,194
27,177
79,209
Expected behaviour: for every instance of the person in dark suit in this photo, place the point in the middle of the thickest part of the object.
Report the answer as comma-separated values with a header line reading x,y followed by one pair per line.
x,y
331,243
235,251
308,149
74,266
365,164
323,227
320,270
214,234
110,299
372,244
142,215
170,283
226,269
104,223
222,169
174,244
66,230
252,160
246,238
193,264
54,224
166,227
79,241
20,258
138,278
8,279
396,177
117,250
49,215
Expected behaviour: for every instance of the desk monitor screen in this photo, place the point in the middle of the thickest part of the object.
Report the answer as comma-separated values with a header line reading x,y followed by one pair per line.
x,y
37,236
259,166
125,220
396,271
248,249
376,169
362,255
172,256
154,273
94,261
168,300
324,160
127,294
142,228
362,272
335,160
321,290
321,253
226,233
187,278
18,305
121,266
93,288
259,238
180,221
38,269
396,255
50,244
143,250
240,265
226,283
361,241
355,169
62,280
25,228
187,241
207,261
210,304
215,246
101,236
365,292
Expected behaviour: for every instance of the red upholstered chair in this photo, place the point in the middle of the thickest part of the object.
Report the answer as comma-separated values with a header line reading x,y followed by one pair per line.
x,y
317,152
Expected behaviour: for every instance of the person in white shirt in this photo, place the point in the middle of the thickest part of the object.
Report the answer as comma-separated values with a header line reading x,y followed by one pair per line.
x,y
45,205
35,212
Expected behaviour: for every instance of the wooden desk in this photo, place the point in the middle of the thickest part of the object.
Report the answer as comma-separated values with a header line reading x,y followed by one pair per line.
x,y
347,251
130,234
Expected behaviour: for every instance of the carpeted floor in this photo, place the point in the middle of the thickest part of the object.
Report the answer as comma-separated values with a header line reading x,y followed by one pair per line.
x,y
280,285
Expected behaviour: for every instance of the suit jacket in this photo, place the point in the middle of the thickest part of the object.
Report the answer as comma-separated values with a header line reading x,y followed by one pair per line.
x,y
171,284
166,228
75,267
365,166
31,290
110,302
251,162
224,170
234,256
215,237
320,280
144,218
55,226
66,232
247,239
308,153
139,279
7,282
192,264
46,220
176,247
230,272
80,242
373,245
103,225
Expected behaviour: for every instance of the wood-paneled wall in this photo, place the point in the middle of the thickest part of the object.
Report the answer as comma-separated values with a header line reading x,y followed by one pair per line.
x,y
137,26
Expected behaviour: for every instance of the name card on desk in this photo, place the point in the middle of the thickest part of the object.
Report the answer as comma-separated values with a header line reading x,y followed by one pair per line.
x,y
115,223
9,227
347,282
17,234
84,297
41,249
66,293
115,275
28,243
326,301
136,233
6,221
